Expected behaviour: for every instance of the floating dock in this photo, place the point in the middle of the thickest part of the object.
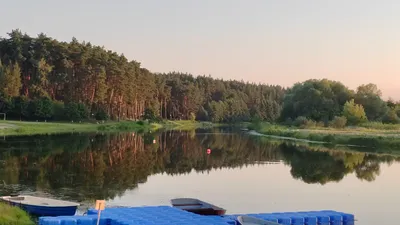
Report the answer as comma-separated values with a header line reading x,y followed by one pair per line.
x,y
167,215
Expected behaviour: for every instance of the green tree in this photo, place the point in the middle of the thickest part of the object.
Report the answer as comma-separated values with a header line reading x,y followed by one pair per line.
x,y
354,113
150,115
59,111
43,108
2,78
10,80
319,100
73,112
369,96
391,117
20,108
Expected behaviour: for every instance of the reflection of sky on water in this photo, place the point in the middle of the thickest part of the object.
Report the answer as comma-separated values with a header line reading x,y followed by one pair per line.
x,y
270,187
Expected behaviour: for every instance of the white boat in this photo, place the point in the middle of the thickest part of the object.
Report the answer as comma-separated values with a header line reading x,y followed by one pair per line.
x,y
42,206
249,220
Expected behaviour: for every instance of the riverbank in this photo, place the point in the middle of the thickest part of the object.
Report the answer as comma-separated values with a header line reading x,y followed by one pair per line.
x,y
10,215
382,139
31,128
186,125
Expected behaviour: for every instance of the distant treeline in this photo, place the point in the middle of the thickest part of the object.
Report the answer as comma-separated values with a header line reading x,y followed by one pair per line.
x,y
45,79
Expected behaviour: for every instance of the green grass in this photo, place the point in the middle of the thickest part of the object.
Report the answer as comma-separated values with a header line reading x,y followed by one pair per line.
x,y
10,215
30,128
186,124
129,126
380,126
380,139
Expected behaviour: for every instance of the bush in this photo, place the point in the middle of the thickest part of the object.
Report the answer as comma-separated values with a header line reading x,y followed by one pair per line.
x,y
20,108
10,215
256,126
354,113
42,108
338,122
76,112
391,117
300,121
380,126
303,122
310,123
58,111
83,111
202,114
150,115
288,122
101,115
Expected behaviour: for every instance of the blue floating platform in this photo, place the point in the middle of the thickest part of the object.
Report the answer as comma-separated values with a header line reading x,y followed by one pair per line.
x,y
167,215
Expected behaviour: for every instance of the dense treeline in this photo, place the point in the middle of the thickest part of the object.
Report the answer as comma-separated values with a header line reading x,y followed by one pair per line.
x,y
43,79
329,102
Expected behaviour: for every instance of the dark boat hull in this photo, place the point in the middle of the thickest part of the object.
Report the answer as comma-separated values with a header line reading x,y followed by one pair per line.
x,y
38,206
207,212
198,207
47,211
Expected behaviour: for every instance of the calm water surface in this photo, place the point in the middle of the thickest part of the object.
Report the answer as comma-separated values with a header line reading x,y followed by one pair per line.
x,y
243,174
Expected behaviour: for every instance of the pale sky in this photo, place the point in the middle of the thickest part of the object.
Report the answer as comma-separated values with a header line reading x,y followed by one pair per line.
x,y
268,41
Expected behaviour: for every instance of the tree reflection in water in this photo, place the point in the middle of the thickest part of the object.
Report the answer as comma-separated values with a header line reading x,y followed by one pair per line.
x,y
85,167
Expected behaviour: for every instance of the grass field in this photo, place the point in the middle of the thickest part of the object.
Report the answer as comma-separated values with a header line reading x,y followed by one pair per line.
x,y
31,128
13,216
186,124
372,137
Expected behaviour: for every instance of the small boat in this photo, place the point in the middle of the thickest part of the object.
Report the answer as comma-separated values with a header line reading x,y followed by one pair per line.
x,y
42,206
197,206
249,220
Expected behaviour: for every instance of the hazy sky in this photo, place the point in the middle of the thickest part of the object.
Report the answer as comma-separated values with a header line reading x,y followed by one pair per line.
x,y
268,41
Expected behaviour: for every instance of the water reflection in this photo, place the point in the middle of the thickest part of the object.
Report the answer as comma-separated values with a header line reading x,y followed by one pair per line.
x,y
84,167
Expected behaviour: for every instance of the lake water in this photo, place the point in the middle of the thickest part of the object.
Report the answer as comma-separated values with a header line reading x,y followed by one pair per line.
x,y
244,174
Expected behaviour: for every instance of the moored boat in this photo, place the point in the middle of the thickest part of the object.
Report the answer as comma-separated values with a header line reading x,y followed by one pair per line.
x,y
249,220
197,206
42,206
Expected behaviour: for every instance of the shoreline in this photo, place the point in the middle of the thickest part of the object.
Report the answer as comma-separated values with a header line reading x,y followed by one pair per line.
x,y
20,128
378,139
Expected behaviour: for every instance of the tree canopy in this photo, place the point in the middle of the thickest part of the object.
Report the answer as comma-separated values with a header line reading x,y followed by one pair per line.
x,y
354,113
42,78
86,80
319,100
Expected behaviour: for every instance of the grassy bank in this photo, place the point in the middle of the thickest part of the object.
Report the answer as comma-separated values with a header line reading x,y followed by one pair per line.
x,y
31,128
382,139
13,216
186,125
